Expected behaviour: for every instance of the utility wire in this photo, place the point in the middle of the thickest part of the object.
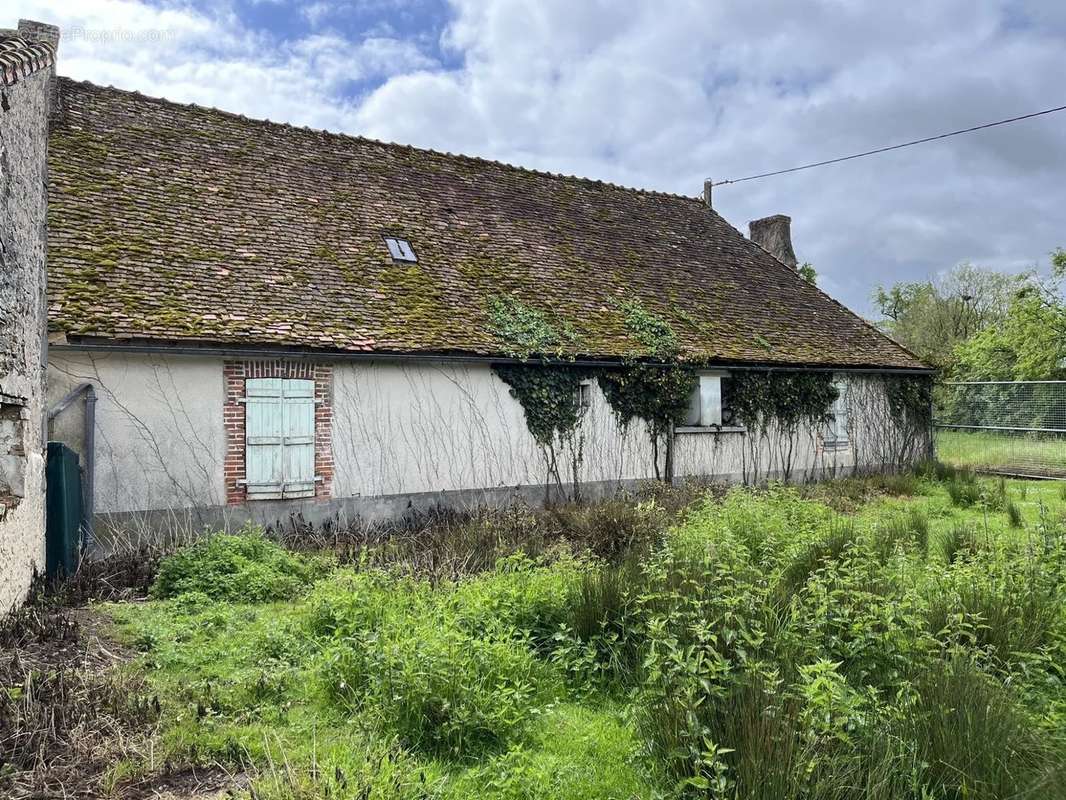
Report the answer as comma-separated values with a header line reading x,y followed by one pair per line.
x,y
891,147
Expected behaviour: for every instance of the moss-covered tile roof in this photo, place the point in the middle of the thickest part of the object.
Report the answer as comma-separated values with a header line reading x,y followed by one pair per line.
x,y
181,223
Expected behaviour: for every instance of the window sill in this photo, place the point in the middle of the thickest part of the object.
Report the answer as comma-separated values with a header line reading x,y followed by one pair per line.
x,y
709,429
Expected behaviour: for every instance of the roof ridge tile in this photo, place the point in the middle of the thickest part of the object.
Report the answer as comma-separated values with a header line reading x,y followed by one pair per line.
x,y
21,58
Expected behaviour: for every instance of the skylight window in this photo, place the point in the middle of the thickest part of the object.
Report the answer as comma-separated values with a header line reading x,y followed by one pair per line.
x,y
400,249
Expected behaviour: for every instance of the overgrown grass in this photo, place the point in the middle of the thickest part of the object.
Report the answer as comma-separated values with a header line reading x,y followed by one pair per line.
x,y
749,644
1024,454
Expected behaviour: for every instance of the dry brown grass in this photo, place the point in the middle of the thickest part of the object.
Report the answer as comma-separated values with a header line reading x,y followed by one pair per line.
x,y
77,720
445,544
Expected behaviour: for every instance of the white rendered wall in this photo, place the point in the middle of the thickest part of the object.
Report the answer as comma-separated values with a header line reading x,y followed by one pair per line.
x,y
398,429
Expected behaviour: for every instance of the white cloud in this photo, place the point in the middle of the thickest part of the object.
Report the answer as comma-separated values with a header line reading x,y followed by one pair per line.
x,y
212,59
662,95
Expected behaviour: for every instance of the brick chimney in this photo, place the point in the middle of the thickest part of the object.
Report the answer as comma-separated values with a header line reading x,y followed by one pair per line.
x,y
774,235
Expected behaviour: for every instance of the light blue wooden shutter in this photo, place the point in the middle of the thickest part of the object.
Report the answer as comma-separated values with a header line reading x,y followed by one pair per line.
x,y
299,441
264,437
279,438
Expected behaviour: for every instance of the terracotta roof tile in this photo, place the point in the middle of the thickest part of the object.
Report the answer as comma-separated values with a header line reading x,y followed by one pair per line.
x,y
20,58
177,222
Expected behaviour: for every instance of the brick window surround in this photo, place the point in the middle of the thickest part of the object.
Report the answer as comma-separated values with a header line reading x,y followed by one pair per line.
x,y
234,374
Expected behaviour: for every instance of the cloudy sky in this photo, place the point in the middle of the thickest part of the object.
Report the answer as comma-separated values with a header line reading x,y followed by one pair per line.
x,y
659,94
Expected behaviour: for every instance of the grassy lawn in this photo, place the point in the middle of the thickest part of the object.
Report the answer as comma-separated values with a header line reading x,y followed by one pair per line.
x,y
1003,451
899,637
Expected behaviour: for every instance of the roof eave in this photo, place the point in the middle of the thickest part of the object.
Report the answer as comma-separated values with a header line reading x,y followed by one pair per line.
x,y
275,350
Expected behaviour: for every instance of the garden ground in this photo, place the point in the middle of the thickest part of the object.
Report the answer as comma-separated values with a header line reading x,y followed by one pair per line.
x,y
882,637
1006,452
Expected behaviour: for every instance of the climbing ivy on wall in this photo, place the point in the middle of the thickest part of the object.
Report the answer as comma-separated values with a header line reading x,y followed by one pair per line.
x,y
548,395
657,392
775,407
910,399
652,383
526,331
785,399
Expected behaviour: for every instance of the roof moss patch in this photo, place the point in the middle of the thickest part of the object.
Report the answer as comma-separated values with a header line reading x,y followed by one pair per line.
x,y
169,222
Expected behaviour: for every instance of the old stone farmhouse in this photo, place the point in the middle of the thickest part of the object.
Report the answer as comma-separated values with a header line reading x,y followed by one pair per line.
x,y
281,321
27,64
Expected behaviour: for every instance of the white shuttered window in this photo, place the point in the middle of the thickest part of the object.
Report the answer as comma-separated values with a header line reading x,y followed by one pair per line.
x,y
836,436
279,438
705,404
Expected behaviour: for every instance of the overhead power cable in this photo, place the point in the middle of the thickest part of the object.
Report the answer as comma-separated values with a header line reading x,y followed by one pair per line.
x,y
892,147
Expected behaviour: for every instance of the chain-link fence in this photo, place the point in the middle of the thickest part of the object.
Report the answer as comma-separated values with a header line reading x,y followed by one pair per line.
x,y
1008,427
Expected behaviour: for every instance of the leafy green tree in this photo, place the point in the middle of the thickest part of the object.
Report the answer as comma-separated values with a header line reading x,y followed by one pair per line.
x,y
933,317
1029,343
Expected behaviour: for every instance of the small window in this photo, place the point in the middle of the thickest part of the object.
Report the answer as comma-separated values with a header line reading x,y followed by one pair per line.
x,y
836,435
401,250
711,403
583,396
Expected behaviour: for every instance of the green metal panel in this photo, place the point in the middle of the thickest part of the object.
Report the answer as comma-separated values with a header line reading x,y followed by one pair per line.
x,y
63,505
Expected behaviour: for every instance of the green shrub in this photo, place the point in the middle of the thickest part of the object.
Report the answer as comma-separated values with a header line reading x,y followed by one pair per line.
x,y
241,568
740,741
599,600
758,645
931,469
519,598
963,490
435,686
907,532
897,484
601,642
997,608
609,529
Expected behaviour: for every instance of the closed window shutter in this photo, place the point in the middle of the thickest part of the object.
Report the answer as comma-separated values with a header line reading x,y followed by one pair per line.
x,y
279,438
264,435
299,426
838,426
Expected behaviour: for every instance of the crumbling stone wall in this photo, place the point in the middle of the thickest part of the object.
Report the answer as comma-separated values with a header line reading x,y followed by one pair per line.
x,y
23,198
